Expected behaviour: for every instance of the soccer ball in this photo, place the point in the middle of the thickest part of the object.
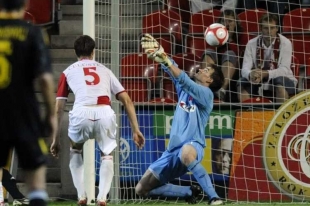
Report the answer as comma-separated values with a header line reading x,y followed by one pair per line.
x,y
216,34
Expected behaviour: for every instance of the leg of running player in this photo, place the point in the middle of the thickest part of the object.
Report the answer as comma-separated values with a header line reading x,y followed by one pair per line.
x,y
76,165
35,181
9,183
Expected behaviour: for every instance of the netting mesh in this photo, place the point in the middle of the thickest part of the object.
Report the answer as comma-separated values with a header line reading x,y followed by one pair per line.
x,y
257,150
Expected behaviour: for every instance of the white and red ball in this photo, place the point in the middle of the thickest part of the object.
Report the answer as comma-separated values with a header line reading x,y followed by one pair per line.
x,y
216,34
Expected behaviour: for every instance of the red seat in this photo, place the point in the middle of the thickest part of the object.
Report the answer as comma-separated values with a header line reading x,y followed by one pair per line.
x,y
138,74
307,75
163,23
296,27
182,7
249,19
257,100
196,45
29,17
168,90
42,11
300,44
297,20
200,21
187,62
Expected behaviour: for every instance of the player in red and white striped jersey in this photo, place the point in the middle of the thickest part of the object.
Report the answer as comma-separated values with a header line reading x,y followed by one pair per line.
x,y
92,116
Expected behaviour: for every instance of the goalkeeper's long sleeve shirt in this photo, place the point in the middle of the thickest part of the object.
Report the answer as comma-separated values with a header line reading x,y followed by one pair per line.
x,y
192,111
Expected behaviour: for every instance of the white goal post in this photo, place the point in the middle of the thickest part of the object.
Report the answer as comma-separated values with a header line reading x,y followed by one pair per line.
x,y
89,146
92,25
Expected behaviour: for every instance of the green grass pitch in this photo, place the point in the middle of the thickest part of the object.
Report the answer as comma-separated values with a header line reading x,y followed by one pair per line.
x,y
66,202
73,203
171,204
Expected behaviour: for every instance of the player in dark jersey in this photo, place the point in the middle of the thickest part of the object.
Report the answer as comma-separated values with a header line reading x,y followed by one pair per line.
x,y
24,58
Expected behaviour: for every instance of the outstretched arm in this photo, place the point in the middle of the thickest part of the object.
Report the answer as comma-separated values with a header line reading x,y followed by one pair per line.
x,y
174,71
200,93
155,52
138,137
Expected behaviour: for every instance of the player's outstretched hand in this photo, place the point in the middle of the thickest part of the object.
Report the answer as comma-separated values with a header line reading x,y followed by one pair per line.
x,y
154,50
149,43
138,139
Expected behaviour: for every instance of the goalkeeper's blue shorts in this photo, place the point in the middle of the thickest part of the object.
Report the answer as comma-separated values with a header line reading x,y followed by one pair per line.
x,y
169,165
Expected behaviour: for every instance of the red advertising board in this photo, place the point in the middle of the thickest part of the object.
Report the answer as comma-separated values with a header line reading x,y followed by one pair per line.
x,y
270,159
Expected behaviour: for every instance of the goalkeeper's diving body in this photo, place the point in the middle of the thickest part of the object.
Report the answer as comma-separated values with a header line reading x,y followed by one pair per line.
x,y
187,136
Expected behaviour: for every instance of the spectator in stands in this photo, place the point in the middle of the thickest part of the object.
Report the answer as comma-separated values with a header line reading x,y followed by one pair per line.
x,y
221,155
187,136
25,60
9,183
267,63
92,116
200,5
227,55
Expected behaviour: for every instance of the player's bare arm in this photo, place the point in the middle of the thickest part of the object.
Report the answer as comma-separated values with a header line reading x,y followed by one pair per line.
x,y
46,82
138,137
59,111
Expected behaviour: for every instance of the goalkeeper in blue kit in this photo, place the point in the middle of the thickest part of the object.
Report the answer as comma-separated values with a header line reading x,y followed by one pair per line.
x,y
187,136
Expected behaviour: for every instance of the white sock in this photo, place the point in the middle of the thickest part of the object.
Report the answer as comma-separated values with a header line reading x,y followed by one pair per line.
x,y
77,171
106,176
1,193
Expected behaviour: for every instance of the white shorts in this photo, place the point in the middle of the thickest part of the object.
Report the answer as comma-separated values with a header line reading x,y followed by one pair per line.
x,y
97,123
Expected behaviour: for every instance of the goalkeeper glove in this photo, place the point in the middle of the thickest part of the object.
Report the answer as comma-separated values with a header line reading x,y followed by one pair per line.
x,y
154,50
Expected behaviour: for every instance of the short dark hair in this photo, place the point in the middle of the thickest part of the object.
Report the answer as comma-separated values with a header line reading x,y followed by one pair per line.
x,y
268,18
218,78
84,46
11,5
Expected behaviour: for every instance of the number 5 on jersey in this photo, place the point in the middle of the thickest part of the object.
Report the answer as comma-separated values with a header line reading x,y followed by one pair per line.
x,y
90,73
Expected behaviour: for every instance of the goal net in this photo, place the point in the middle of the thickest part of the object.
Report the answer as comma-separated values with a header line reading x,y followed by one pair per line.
x,y
257,150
